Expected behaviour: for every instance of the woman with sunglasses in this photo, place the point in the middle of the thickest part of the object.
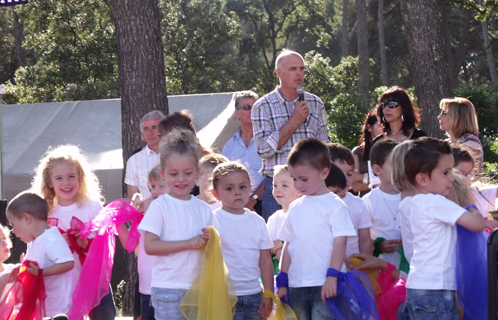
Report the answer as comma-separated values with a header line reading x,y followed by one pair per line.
x,y
371,128
398,115
458,118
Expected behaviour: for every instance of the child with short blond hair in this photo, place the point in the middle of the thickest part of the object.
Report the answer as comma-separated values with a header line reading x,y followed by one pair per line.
x,y
315,232
285,193
206,167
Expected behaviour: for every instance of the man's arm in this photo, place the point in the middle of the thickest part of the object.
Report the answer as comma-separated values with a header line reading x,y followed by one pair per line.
x,y
301,112
130,191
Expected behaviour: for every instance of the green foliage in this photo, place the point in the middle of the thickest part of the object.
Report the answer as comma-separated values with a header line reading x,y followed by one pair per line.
x,y
73,54
8,62
199,44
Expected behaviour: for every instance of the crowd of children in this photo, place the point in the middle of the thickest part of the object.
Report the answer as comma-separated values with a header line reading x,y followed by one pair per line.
x,y
409,222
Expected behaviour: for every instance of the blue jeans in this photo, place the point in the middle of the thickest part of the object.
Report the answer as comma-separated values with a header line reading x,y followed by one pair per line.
x,y
106,309
431,304
247,307
270,205
307,304
147,311
166,303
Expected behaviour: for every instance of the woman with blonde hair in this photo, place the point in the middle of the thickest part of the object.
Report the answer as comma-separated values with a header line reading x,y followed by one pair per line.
x,y
459,119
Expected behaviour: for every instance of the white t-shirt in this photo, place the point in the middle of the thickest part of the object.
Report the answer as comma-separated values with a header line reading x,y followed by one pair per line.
x,y
64,215
433,219
215,205
406,227
311,225
243,237
137,170
175,220
275,222
485,199
7,268
145,263
47,249
383,209
360,218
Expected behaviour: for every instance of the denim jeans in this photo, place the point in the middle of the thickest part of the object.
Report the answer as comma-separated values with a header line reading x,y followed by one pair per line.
x,y
307,304
106,309
147,311
270,205
431,304
247,307
166,303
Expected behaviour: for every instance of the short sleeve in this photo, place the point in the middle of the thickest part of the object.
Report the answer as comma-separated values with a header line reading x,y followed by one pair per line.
x,y
153,220
341,223
58,251
130,176
364,215
265,239
272,227
445,210
285,233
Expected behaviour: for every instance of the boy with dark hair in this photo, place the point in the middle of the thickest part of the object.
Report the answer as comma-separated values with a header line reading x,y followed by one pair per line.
x,y
382,203
48,254
343,158
432,279
315,232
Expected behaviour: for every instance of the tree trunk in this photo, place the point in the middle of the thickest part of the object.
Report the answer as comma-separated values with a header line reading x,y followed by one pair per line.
x,y
143,89
428,60
488,49
382,45
363,65
445,11
19,38
462,48
345,36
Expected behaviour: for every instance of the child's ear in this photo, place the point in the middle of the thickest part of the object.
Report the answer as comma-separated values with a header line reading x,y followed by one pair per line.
x,y
215,194
27,217
421,179
377,169
161,173
325,173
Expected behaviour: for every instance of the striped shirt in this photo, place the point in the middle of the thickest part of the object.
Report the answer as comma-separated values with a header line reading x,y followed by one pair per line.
x,y
270,113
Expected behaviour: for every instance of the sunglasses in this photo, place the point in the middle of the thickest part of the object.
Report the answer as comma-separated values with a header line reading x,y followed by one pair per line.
x,y
245,107
390,105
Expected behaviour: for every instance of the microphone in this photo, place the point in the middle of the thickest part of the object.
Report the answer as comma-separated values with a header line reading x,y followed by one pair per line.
x,y
300,92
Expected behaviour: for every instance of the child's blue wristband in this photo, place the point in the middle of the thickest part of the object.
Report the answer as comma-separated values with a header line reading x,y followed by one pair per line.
x,y
331,272
282,280
471,206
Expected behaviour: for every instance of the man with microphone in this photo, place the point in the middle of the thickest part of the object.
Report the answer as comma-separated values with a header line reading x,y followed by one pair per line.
x,y
283,117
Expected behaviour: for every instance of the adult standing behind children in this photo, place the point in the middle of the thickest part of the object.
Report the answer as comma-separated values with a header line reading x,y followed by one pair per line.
x,y
141,163
243,148
280,120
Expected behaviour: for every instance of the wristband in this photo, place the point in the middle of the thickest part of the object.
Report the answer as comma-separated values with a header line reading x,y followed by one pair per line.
x,y
282,280
40,272
467,207
365,178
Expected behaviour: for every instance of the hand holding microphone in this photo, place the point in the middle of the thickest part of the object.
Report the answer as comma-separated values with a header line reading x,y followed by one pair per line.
x,y
302,110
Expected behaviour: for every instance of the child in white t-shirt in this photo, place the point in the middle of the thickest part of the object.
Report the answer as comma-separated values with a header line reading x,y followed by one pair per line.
x,y
245,242
432,279
315,232
206,166
382,203
174,226
145,261
27,214
343,158
284,193
485,195
407,192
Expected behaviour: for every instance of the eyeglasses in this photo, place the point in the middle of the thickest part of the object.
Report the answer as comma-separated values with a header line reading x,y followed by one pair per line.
x,y
245,107
390,105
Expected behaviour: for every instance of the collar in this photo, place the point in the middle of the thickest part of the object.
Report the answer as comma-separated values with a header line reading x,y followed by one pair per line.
x,y
237,135
282,98
149,151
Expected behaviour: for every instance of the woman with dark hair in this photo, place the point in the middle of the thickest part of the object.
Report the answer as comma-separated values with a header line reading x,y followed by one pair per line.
x,y
182,119
398,115
371,128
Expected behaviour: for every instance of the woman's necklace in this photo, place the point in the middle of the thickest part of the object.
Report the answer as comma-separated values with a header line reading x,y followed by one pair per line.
x,y
400,132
